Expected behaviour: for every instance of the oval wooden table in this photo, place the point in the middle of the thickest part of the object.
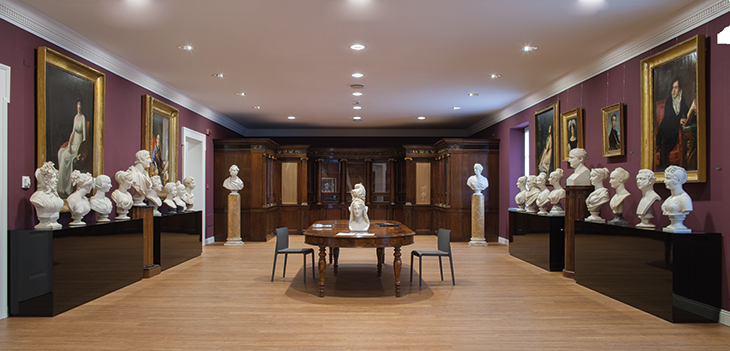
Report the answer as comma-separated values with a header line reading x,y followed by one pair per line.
x,y
381,234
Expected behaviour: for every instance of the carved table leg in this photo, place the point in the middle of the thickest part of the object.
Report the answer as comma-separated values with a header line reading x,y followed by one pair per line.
x,y
322,269
396,267
380,252
337,260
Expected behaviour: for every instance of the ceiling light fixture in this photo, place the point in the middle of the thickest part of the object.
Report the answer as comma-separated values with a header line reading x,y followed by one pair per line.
x,y
218,75
357,86
291,117
421,118
357,93
257,107
357,75
495,76
457,107
185,47
241,94
473,94
357,47
356,106
357,119
528,48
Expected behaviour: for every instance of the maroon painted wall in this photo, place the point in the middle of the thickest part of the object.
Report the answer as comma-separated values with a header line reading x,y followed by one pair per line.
x,y
622,84
122,121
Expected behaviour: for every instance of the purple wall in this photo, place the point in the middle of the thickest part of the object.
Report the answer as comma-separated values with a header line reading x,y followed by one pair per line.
x,y
122,121
622,84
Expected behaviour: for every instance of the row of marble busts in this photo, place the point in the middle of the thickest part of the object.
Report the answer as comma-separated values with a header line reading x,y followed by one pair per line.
x,y
48,204
535,197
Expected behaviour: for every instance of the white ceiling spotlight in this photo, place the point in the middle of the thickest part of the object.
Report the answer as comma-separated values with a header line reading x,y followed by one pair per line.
x,y
357,75
456,107
356,105
357,119
241,94
357,47
473,94
291,117
528,48
218,75
421,118
357,93
495,76
185,47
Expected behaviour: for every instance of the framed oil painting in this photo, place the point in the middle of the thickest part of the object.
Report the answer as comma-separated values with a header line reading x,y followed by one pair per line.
x,y
673,110
614,130
69,117
572,131
546,138
159,137
329,185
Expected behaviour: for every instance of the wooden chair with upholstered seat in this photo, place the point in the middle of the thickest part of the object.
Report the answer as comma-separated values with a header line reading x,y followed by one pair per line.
x,y
282,247
444,249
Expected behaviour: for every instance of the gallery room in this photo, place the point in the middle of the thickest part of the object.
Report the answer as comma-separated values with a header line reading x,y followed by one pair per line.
x,y
277,174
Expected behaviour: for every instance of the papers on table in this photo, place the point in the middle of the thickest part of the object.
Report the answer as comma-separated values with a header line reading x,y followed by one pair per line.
x,y
355,234
322,226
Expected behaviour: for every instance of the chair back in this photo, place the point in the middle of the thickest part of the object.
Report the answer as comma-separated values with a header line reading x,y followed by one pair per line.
x,y
282,238
444,238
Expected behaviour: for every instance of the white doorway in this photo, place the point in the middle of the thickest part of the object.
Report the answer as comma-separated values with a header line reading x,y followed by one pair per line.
x,y
4,101
194,144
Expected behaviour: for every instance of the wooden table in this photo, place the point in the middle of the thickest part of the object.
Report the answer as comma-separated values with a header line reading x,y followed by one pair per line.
x,y
381,234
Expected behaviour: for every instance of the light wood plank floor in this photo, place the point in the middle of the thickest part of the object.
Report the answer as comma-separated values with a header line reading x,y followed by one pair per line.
x,y
224,300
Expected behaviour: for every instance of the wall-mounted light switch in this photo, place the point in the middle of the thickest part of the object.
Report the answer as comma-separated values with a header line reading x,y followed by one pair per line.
x,y
26,182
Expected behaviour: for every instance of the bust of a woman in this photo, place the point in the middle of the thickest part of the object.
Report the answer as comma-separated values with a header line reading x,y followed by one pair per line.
x,y
121,196
477,182
77,201
233,183
532,193
543,200
581,175
520,197
618,179
171,190
558,192
599,196
359,220
645,180
679,203
46,201
152,196
99,202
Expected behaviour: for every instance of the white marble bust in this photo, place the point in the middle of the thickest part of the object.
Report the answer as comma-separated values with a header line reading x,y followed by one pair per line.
x,y
233,183
599,196
178,200
359,220
645,180
78,203
581,175
558,193
520,197
141,181
171,190
121,196
99,202
543,200
679,203
46,201
188,197
477,182
618,179
152,196
532,193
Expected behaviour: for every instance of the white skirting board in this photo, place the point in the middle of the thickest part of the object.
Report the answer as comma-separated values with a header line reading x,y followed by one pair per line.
x,y
210,240
504,241
724,318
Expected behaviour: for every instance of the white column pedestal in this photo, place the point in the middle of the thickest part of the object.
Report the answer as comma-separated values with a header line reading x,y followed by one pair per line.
x,y
234,220
477,221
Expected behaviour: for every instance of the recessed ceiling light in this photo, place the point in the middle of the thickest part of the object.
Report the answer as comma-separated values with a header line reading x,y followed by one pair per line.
x,y
495,76
421,118
357,75
218,75
357,86
241,94
357,47
357,119
291,117
185,47
356,107
257,107
473,94
457,107
357,93
528,48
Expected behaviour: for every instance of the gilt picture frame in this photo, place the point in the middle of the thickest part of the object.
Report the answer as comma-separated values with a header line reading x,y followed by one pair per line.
x,y
160,138
546,153
571,131
613,124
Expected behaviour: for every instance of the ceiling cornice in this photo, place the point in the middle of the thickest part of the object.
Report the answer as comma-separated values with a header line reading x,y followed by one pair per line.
x,y
642,43
363,132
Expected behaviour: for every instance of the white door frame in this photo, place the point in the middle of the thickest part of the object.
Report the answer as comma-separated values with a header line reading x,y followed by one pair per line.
x,y
4,254
195,137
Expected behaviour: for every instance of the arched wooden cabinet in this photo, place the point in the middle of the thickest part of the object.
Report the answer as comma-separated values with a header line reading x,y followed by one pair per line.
x,y
422,186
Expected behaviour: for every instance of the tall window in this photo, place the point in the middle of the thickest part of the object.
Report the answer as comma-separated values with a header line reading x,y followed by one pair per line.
x,y
527,151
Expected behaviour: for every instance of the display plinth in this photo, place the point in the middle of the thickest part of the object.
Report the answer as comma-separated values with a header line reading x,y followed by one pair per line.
x,y
477,221
536,239
149,268
234,220
575,209
177,238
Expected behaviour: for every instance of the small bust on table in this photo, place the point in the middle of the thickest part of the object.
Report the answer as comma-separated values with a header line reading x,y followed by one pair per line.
x,y
46,201
618,179
359,220
557,194
171,190
520,197
543,197
679,203
77,201
121,196
233,183
99,202
532,193
178,199
152,196
598,197
477,182
645,180
141,181
581,175
188,197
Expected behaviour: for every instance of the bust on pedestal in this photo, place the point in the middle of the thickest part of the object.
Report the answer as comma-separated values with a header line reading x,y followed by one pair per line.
x,y
188,197
359,220
141,181
152,197
679,204
645,180
77,201
99,202
46,201
234,184
477,183
618,179
520,197
121,196
171,191
181,205
581,175
598,197
557,194
543,197
532,193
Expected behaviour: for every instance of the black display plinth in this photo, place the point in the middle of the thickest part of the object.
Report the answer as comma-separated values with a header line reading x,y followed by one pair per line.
x,y
177,238
537,239
676,277
53,271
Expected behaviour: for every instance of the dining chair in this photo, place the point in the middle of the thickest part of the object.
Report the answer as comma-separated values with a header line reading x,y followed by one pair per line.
x,y
282,247
444,249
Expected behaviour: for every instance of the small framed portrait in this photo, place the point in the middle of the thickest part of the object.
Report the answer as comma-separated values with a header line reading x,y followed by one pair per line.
x,y
614,130
329,185
673,110
70,117
546,138
572,131
159,137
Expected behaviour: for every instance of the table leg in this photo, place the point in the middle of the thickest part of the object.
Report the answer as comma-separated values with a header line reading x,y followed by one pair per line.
x,y
380,252
322,269
337,260
396,267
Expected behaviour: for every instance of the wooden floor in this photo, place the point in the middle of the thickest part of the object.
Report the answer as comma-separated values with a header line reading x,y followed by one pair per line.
x,y
225,300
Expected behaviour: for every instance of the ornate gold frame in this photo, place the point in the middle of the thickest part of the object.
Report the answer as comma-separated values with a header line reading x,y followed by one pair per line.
x,y
694,45
576,114
150,107
605,112
555,106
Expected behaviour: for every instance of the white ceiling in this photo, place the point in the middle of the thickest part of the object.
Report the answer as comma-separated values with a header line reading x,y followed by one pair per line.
x,y
422,57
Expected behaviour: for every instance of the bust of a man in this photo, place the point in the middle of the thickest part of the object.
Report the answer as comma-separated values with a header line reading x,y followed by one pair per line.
x,y
581,175
46,200
188,195
141,181
359,220
233,183
477,182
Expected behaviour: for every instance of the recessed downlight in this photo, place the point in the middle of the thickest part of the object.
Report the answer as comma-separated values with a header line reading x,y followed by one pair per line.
x,y
257,107
495,76
421,118
357,47
185,47
357,119
357,93
456,107
528,48
357,75
291,117
357,107
218,75
473,94
241,94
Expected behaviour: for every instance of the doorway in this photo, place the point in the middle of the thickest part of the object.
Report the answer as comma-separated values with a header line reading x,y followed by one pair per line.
x,y
194,145
4,101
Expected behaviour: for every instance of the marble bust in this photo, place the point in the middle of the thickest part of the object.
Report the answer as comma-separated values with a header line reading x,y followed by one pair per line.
x,y
520,197
99,202
77,201
477,182
618,179
141,181
532,193
581,175
171,190
679,203
178,200
121,196
188,197
46,201
233,183
557,194
599,196
359,220
152,197
543,200
645,180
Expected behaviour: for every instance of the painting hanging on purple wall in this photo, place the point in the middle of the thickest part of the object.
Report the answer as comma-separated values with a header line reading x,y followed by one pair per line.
x,y
673,110
546,138
614,130
159,137
69,117
572,131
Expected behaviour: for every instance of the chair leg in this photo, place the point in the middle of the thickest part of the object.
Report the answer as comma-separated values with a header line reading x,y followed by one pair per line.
x,y
420,271
451,261
441,268
304,258
412,266
286,256
274,269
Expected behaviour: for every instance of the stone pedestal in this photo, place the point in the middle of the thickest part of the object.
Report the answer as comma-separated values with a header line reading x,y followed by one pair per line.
x,y
234,220
477,221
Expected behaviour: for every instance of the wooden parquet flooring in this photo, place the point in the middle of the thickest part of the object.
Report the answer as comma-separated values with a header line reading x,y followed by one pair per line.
x,y
224,300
